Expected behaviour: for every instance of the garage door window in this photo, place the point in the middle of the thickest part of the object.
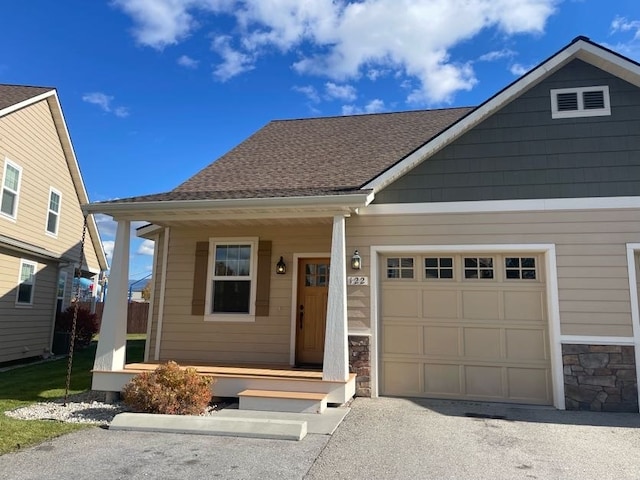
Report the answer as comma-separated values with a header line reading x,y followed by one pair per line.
x,y
478,268
520,268
438,267
399,267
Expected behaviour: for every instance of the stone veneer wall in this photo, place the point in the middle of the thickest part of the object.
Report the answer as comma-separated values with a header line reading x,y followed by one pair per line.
x,y
600,378
360,363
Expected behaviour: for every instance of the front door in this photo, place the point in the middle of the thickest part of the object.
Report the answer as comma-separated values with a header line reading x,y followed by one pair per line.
x,y
311,311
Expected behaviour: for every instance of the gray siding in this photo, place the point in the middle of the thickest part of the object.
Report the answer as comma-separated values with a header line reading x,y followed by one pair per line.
x,y
521,152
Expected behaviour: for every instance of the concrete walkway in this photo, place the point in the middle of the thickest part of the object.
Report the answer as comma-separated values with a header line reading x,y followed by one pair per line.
x,y
385,438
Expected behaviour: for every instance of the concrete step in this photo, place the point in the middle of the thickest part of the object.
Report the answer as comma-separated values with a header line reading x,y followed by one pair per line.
x,y
236,426
281,401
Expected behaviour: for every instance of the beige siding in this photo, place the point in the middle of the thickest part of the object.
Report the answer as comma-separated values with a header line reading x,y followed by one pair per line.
x,y
590,247
188,338
25,331
28,138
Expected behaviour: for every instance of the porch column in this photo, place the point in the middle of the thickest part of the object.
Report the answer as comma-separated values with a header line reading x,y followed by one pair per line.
x,y
110,354
336,357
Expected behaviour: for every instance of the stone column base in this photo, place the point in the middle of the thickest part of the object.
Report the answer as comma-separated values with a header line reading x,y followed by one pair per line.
x,y
360,363
600,378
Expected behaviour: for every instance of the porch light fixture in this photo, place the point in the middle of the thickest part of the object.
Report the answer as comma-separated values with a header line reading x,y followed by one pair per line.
x,y
281,267
356,261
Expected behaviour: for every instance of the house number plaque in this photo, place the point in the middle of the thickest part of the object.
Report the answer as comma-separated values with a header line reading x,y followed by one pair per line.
x,y
357,280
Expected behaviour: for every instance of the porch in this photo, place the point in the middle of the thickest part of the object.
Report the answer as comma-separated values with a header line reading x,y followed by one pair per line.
x,y
231,380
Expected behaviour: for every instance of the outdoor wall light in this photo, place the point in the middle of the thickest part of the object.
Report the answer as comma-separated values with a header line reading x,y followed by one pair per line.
x,y
356,261
281,267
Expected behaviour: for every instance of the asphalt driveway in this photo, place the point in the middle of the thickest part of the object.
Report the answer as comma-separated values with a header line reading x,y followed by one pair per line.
x,y
384,438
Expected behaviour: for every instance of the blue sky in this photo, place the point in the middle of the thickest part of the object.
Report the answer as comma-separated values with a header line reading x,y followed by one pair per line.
x,y
154,90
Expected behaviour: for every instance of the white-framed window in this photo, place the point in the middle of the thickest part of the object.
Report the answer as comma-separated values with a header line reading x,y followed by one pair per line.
x,y
580,102
520,268
10,189
53,211
478,268
400,268
26,282
231,282
438,268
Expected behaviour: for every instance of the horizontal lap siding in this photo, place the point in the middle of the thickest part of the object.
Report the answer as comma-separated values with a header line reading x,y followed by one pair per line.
x,y
25,331
591,257
30,140
186,337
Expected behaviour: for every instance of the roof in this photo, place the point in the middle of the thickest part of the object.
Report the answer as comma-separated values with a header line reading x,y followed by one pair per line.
x,y
333,156
11,95
15,97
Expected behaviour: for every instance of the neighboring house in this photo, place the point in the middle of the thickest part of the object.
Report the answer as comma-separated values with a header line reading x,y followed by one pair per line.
x,y
40,220
497,247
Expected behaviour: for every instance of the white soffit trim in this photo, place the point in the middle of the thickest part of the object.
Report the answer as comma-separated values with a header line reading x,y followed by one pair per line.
x,y
26,103
488,206
584,50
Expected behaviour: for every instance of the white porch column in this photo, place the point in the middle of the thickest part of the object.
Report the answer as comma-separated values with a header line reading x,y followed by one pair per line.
x,y
336,352
110,354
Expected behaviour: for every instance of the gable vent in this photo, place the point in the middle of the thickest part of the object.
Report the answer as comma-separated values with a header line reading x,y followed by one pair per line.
x,y
580,102
593,99
567,101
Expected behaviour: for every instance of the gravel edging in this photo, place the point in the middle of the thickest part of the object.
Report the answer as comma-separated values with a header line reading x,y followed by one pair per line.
x,y
86,407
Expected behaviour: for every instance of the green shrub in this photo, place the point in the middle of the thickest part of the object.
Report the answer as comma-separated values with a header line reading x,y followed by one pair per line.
x,y
169,390
86,324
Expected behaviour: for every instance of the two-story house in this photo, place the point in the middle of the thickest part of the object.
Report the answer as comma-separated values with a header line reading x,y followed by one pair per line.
x,y
41,224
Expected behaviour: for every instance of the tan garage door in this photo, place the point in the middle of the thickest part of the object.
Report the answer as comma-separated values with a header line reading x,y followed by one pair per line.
x,y
465,327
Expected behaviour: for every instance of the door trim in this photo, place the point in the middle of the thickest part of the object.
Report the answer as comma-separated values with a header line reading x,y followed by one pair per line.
x,y
294,297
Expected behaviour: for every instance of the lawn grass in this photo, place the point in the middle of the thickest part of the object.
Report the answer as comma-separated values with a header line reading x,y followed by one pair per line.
x,y
46,381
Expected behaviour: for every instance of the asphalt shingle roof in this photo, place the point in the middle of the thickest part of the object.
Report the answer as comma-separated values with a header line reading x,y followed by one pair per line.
x,y
315,156
12,94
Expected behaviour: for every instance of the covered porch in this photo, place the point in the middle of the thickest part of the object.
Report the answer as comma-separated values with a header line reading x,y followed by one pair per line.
x,y
261,351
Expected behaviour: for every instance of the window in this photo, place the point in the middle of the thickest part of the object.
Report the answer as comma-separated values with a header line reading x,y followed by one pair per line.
x,y
26,282
10,189
478,268
53,213
400,267
231,290
580,102
523,268
438,267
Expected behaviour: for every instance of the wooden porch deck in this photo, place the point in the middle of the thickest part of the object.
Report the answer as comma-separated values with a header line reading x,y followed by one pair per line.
x,y
230,380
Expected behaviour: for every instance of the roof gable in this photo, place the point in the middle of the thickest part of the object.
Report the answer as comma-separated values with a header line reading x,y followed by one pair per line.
x,y
580,48
16,97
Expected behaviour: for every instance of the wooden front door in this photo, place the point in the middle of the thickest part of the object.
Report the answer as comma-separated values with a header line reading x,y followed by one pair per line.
x,y
313,289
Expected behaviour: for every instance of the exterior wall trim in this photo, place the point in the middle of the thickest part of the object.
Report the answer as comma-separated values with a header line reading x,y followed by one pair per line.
x,y
163,287
595,340
294,299
543,204
553,305
632,249
154,275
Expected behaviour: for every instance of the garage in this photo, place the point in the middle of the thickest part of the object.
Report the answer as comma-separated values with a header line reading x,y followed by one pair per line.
x,y
465,326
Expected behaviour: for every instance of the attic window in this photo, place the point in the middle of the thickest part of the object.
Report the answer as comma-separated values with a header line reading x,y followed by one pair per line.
x,y
580,102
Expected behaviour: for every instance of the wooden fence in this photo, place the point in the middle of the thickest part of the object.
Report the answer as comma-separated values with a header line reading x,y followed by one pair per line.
x,y
136,315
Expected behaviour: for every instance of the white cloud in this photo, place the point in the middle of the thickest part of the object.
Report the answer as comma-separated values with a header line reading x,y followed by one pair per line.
x,y
622,24
108,248
518,69
310,92
497,55
146,248
105,101
374,106
344,40
187,62
340,92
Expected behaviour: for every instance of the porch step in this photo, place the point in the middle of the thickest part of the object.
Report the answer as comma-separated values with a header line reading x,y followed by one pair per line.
x,y
279,401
